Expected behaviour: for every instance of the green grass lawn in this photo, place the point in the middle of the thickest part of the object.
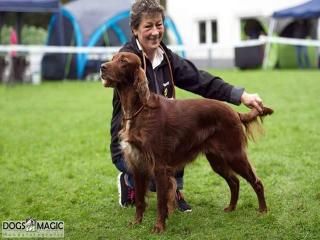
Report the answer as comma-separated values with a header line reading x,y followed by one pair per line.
x,y
55,164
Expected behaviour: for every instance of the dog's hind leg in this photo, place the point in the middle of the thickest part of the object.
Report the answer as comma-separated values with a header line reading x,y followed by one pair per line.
x,y
141,183
222,168
242,166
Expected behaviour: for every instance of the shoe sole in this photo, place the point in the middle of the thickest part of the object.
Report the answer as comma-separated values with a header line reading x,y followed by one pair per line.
x,y
119,190
189,210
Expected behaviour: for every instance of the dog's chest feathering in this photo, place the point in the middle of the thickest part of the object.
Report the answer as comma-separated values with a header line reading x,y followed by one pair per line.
x,y
133,156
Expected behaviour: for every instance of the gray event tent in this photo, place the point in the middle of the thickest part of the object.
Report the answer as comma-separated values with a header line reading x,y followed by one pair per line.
x,y
307,10
91,23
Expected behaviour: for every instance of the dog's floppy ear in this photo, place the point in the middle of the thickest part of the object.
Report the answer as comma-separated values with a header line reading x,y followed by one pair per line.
x,y
141,85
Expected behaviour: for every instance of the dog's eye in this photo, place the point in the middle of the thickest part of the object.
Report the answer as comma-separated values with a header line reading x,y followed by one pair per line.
x,y
123,60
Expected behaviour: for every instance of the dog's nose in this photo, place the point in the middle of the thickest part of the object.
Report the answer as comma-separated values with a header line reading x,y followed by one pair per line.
x,y
103,67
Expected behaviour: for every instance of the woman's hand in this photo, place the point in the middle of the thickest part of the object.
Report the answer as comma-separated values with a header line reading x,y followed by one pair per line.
x,y
252,100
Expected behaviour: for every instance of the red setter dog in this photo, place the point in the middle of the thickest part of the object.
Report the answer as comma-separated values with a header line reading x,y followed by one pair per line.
x,y
161,135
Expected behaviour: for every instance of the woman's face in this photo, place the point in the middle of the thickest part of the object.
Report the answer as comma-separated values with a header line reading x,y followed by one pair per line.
x,y
150,32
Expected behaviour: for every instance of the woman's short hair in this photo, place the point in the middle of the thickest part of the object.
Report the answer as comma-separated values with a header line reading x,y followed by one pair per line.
x,y
144,7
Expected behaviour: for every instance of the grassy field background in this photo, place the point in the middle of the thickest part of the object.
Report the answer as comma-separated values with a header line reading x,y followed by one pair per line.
x,y
55,164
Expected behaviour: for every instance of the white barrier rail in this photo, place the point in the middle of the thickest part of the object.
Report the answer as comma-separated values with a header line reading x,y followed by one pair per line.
x,y
109,50
39,49
279,40
293,41
106,52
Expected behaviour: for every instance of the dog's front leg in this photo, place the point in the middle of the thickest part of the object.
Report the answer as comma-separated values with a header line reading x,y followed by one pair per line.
x,y
141,183
162,185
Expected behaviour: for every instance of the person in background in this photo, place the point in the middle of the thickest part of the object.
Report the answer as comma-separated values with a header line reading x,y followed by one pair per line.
x,y
164,69
13,41
301,31
253,29
318,57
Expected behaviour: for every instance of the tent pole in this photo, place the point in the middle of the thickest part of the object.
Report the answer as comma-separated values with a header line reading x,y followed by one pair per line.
x,y
1,24
19,27
268,44
60,29
318,30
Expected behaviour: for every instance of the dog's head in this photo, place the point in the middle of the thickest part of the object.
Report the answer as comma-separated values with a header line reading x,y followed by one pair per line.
x,y
124,71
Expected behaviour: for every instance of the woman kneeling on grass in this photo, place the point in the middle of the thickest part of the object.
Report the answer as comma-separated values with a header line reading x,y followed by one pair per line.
x,y
163,68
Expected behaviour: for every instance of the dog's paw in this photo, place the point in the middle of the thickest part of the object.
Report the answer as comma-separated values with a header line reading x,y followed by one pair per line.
x,y
229,209
158,228
263,210
135,222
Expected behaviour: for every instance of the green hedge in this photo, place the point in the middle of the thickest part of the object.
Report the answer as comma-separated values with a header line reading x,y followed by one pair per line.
x,y
287,56
30,35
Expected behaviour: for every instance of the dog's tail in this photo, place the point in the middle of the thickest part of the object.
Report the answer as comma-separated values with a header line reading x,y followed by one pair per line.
x,y
252,119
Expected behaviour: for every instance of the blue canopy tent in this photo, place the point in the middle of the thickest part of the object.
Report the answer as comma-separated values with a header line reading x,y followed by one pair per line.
x,y
19,63
93,23
310,9
307,10
31,6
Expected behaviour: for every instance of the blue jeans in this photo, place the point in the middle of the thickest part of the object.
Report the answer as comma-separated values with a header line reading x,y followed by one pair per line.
x,y
122,167
302,57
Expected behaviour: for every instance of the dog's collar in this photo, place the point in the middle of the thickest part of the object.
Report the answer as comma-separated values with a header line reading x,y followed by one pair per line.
x,y
135,114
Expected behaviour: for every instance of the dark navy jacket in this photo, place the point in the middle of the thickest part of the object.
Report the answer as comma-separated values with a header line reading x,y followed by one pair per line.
x,y
186,76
